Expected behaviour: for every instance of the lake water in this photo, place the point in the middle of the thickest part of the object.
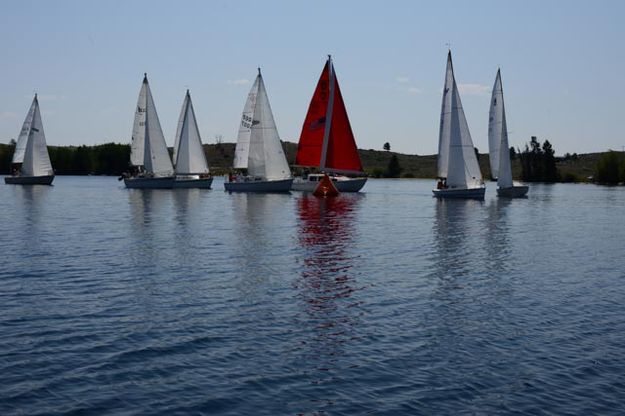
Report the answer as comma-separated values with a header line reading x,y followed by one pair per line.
x,y
388,302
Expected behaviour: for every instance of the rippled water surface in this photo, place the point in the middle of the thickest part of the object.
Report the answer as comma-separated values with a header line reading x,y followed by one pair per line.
x,y
389,302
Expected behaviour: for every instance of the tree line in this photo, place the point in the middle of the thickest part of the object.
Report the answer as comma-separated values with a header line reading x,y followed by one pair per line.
x,y
611,168
102,159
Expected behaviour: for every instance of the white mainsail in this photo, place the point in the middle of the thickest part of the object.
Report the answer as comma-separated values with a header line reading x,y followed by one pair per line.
x,y
261,146
445,124
495,126
36,160
20,146
266,158
148,147
189,158
500,136
242,150
462,168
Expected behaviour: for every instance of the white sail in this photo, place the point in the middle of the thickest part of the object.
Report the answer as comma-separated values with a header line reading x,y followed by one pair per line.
x,y
188,152
20,146
242,150
266,156
445,123
148,147
495,123
137,144
36,158
463,170
504,176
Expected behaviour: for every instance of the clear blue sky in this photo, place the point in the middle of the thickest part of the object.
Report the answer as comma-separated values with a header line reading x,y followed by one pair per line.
x,y
562,63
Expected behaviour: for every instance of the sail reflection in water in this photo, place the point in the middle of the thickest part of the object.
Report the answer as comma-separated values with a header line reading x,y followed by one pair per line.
x,y
328,282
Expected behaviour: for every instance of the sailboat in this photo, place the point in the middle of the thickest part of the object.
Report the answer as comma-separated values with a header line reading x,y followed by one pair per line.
x,y
149,157
500,166
190,164
458,170
31,161
258,148
327,142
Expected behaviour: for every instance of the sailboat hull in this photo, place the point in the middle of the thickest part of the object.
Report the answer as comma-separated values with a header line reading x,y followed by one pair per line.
x,y
283,185
149,183
516,191
466,193
29,180
342,184
193,183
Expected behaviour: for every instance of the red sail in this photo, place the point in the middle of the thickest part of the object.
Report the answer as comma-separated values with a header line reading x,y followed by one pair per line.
x,y
342,152
311,139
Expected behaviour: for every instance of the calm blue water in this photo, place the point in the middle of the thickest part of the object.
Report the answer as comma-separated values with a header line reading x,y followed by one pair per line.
x,y
116,301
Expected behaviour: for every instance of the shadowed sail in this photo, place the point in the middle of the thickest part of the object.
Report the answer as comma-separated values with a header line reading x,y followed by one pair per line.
x,y
31,151
498,145
456,158
327,141
148,148
189,158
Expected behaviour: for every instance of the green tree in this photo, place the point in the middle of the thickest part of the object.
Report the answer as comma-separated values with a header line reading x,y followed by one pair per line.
x,y
608,168
387,146
550,172
393,169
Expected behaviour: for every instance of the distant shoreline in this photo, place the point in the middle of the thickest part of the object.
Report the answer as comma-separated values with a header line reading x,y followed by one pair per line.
x,y
112,159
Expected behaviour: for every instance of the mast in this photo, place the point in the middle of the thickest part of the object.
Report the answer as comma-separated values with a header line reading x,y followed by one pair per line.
x,y
328,126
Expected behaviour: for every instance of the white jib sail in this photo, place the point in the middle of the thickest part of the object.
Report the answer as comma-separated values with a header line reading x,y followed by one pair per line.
x,y
155,155
504,178
242,150
188,152
36,157
463,168
495,122
20,146
445,123
266,156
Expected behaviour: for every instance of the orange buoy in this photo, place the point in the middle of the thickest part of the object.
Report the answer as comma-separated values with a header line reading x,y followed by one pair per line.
x,y
326,187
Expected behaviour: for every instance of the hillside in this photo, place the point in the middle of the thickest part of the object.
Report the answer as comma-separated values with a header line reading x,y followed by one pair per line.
x,y
113,158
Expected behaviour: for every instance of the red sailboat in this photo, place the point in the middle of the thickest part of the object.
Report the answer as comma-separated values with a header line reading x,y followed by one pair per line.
x,y
327,142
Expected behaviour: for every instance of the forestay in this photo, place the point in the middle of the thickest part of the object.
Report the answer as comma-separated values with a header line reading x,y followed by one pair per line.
x,y
266,156
36,159
189,155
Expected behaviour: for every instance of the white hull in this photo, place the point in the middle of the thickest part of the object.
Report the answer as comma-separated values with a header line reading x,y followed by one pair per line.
x,y
467,193
516,191
150,183
283,185
193,183
342,183
29,180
